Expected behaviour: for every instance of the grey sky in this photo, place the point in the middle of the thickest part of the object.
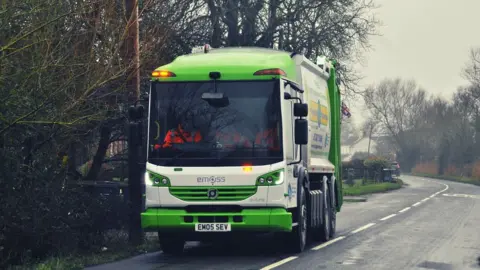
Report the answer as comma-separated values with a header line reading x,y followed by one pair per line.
x,y
426,40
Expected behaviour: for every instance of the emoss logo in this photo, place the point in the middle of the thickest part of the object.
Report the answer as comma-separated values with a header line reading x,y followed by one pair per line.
x,y
211,179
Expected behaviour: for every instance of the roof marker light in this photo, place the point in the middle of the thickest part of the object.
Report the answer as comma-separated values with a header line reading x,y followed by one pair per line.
x,y
163,74
247,168
270,71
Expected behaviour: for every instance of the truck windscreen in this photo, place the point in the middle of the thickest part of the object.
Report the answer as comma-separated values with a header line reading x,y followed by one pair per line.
x,y
188,129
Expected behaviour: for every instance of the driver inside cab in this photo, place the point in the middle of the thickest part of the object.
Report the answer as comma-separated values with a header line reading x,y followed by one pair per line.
x,y
181,135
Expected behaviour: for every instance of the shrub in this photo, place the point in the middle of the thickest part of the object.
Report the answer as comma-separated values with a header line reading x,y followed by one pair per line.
x,y
376,163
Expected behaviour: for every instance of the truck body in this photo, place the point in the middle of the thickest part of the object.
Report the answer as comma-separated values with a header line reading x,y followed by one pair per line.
x,y
207,186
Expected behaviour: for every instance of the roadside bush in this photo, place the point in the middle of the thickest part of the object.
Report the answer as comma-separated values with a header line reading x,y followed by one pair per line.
x,y
376,163
374,166
41,215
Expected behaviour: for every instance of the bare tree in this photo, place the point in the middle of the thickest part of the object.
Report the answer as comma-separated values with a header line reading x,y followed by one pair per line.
x,y
370,127
400,107
472,69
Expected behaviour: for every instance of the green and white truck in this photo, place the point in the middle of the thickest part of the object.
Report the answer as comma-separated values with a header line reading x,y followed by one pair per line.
x,y
207,186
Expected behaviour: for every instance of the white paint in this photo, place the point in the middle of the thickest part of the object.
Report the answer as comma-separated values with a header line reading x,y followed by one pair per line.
x,y
349,262
277,264
417,204
387,217
363,228
431,196
328,243
459,195
404,210
426,199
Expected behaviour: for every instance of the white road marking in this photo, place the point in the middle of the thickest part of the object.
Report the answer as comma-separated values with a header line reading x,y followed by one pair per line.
x,y
286,260
349,262
426,199
328,243
363,228
458,195
387,217
277,264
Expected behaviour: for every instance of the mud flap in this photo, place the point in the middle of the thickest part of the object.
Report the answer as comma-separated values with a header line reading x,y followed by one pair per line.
x,y
316,208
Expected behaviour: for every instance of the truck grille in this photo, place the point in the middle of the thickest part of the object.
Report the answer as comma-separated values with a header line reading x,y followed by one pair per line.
x,y
236,193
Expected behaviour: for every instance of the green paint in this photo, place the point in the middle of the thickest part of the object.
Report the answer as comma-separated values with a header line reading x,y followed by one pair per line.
x,y
267,219
335,154
225,193
177,169
232,63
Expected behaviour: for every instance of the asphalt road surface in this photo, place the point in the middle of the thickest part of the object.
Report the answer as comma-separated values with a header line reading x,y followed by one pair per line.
x,y
430,224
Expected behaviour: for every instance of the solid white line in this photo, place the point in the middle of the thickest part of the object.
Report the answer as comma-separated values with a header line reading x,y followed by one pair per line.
x,y
431,196
404,209
387,217
417,204
328,243
277,264
363,228
426,199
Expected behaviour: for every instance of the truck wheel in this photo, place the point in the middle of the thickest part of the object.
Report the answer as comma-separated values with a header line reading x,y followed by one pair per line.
x,y
298,236
324,234
333,220
171,245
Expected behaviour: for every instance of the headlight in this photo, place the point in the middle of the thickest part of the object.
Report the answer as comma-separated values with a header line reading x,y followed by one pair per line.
x,y
271,179
156,180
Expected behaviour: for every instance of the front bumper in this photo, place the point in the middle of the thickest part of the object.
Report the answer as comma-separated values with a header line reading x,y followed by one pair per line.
x,y
260,219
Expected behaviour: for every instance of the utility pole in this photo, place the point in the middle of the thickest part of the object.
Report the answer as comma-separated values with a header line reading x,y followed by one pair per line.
x,y
132,62
131,50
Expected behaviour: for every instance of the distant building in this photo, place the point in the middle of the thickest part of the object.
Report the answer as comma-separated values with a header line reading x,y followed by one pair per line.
x,y
379,145
360,145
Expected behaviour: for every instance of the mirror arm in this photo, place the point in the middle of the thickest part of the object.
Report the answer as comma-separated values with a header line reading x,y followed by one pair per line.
x,y
299,158
297,98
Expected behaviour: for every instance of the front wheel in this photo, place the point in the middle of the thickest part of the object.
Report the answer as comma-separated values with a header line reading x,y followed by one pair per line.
x,y
298,236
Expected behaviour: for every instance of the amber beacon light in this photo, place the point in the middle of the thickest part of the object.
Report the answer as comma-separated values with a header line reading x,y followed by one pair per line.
x,y
163,74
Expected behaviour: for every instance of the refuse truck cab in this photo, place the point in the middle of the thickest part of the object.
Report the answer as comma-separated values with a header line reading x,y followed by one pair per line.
x,y
243,140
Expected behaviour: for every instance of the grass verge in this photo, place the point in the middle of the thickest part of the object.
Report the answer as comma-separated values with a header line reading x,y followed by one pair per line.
x,y
370,188
459,179
73,261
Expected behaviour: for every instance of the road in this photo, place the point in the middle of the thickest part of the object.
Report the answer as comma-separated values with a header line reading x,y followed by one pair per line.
x,y
430,224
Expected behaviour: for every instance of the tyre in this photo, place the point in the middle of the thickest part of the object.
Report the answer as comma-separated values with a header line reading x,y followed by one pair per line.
x,y
298,236
171,245
333,219
324,230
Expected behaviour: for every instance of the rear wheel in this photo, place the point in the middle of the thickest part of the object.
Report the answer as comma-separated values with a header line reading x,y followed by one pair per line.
x,y
171,244
333,218
325,228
